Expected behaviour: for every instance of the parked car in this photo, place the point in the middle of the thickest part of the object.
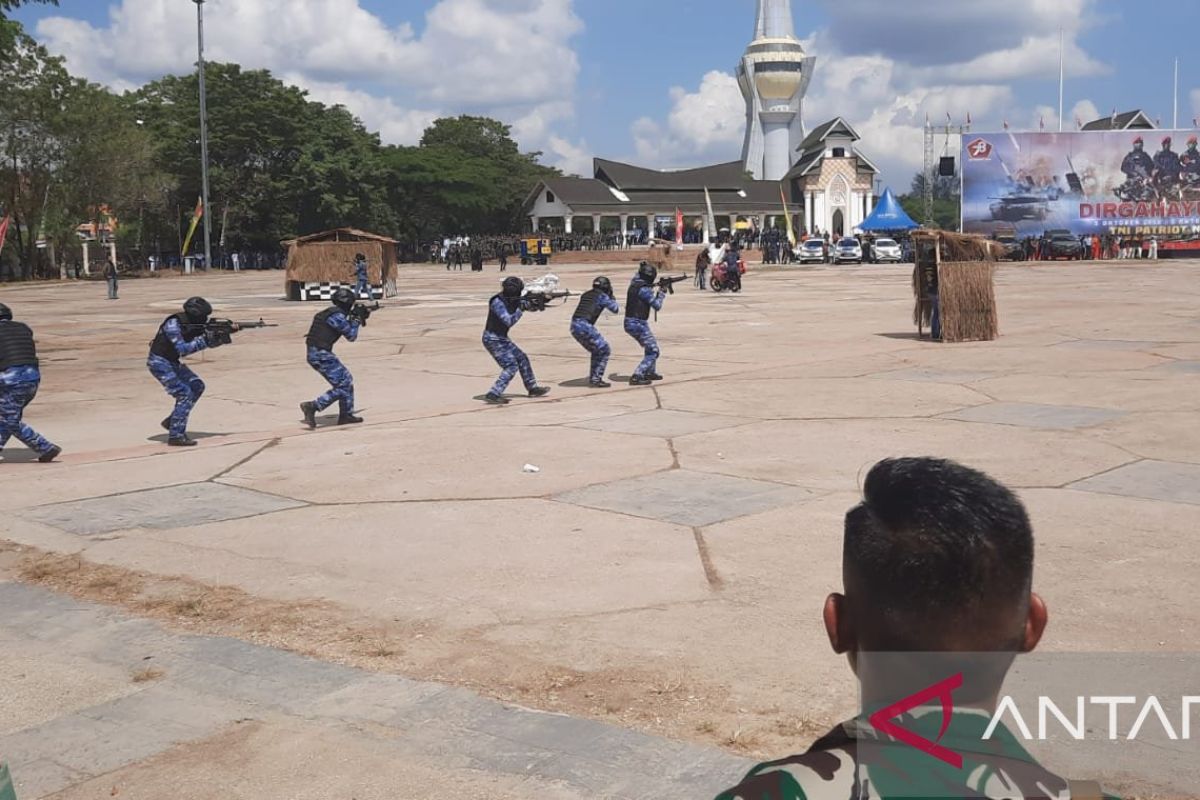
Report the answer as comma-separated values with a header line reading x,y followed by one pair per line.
x,y
885,250
1065,245
847,250
811,251
1010,248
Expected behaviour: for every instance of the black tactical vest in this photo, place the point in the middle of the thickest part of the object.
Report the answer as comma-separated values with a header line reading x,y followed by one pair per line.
x,y
589,308
16,346
164,348
322,335
635,306
494,323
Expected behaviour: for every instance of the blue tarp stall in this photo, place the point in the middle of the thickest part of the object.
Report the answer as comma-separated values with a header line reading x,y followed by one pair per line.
x,y
888,215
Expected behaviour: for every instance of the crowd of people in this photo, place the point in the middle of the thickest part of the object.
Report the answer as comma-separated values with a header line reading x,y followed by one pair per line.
x,y
1093,247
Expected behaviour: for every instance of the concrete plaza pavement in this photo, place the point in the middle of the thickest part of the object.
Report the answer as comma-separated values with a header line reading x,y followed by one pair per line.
x,y
665,568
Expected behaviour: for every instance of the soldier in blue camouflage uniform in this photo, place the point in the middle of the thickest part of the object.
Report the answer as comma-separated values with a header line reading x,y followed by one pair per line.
x,y
343,318
583,328
19,380
938,571
639,302
182,335
504,311
363,285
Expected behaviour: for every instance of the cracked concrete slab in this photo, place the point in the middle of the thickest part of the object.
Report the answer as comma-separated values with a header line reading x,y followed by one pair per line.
x,y
687,498
662,423
1151,480
1034,415
171,507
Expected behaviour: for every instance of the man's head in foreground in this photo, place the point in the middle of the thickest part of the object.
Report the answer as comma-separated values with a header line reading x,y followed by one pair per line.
x,y
937,558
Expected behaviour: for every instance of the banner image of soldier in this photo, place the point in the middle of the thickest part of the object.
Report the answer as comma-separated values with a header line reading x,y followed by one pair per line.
x,y
1083,183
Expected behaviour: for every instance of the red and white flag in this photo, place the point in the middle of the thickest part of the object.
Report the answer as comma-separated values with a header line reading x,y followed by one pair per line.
x,y
4,230
678,226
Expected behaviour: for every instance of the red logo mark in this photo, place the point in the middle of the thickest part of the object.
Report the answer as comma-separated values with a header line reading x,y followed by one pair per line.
x,y
979,150
882,720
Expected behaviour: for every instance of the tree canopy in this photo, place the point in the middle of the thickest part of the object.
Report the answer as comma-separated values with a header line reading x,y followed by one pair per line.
x,y
946,202
280,164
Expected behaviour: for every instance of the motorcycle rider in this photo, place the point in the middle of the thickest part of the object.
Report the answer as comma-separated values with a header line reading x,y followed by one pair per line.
x,y
1166,165
1189,165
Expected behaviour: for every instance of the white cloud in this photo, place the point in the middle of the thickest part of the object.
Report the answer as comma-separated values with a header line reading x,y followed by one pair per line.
x,y
700,124
470,56
572,159
886,68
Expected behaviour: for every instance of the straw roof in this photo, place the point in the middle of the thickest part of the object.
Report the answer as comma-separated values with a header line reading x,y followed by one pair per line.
x,y
328,257
339,235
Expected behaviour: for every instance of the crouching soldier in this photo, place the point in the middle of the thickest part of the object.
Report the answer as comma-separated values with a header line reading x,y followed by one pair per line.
x,y
19,380
343,318
504,311
182,335
583,328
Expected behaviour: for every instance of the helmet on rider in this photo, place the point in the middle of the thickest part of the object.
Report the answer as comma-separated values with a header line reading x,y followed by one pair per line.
x,y
513,287
603,285
647,272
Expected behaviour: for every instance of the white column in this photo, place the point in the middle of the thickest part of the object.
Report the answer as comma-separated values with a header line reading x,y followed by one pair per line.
x,y
624,227
567,220
853,211
595,223
86,269
535,221
820,219
651,224
870,201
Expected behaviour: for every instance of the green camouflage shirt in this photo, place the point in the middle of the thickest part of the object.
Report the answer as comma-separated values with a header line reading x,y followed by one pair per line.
x,y
853,762
6,787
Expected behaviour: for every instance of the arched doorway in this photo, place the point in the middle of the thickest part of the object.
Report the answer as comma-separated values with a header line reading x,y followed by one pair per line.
x,y
839,223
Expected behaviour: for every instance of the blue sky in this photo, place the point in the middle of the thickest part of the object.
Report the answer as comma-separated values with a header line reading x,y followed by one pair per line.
x,y
578,78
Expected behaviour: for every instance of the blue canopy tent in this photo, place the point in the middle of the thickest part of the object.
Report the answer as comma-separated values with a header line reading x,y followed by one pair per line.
x,y
888,215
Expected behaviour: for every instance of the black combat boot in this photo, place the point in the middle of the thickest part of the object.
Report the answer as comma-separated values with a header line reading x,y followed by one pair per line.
x,y
54,452
309,410
182,441
601,384
638,380
654,376
539,391
349,419
495,399
166,424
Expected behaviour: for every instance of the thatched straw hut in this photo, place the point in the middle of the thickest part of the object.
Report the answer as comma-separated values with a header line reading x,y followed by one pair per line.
x,y
319,264
962,270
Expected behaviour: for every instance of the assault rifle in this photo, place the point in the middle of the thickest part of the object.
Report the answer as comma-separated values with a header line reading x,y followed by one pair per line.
x,y
222,330
538,300
668,284
363,312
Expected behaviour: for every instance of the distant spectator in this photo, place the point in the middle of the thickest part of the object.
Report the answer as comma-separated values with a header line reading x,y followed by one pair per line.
x,y
110,277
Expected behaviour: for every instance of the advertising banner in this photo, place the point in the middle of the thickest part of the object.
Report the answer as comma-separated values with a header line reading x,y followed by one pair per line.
x,y
1124,183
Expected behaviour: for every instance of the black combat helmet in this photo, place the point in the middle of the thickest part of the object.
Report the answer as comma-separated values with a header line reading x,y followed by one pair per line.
x,y
604,285
344,299
513,287
197,310
360,257
648,273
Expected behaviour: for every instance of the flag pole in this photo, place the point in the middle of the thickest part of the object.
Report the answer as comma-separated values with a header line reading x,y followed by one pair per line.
x,y
1061,77
1175,123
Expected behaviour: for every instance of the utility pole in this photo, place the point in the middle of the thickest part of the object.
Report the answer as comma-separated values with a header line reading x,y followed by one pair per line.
x,y
203,137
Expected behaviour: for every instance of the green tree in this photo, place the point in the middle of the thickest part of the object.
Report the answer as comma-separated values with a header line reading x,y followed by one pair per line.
x,y
946,202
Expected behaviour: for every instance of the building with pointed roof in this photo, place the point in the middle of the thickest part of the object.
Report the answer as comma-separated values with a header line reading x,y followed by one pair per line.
x,y
1127,121
827,184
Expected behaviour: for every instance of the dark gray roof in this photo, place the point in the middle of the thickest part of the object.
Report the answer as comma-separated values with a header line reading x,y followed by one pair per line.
x,y
580,191
822,132
1129,120
627,177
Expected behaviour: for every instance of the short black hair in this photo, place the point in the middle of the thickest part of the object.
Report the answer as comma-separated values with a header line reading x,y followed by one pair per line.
x,y
938,556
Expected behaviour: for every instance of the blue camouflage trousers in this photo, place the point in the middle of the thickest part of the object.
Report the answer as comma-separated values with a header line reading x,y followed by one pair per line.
x,y
182,384
362,287
511,359
333,370
590,337
18,387
639,329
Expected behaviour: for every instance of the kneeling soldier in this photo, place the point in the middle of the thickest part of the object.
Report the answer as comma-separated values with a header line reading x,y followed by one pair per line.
x,y
19,380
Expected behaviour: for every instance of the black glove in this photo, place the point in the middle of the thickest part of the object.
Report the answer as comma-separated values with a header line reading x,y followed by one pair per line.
x,y
535,303
362,314
217,337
